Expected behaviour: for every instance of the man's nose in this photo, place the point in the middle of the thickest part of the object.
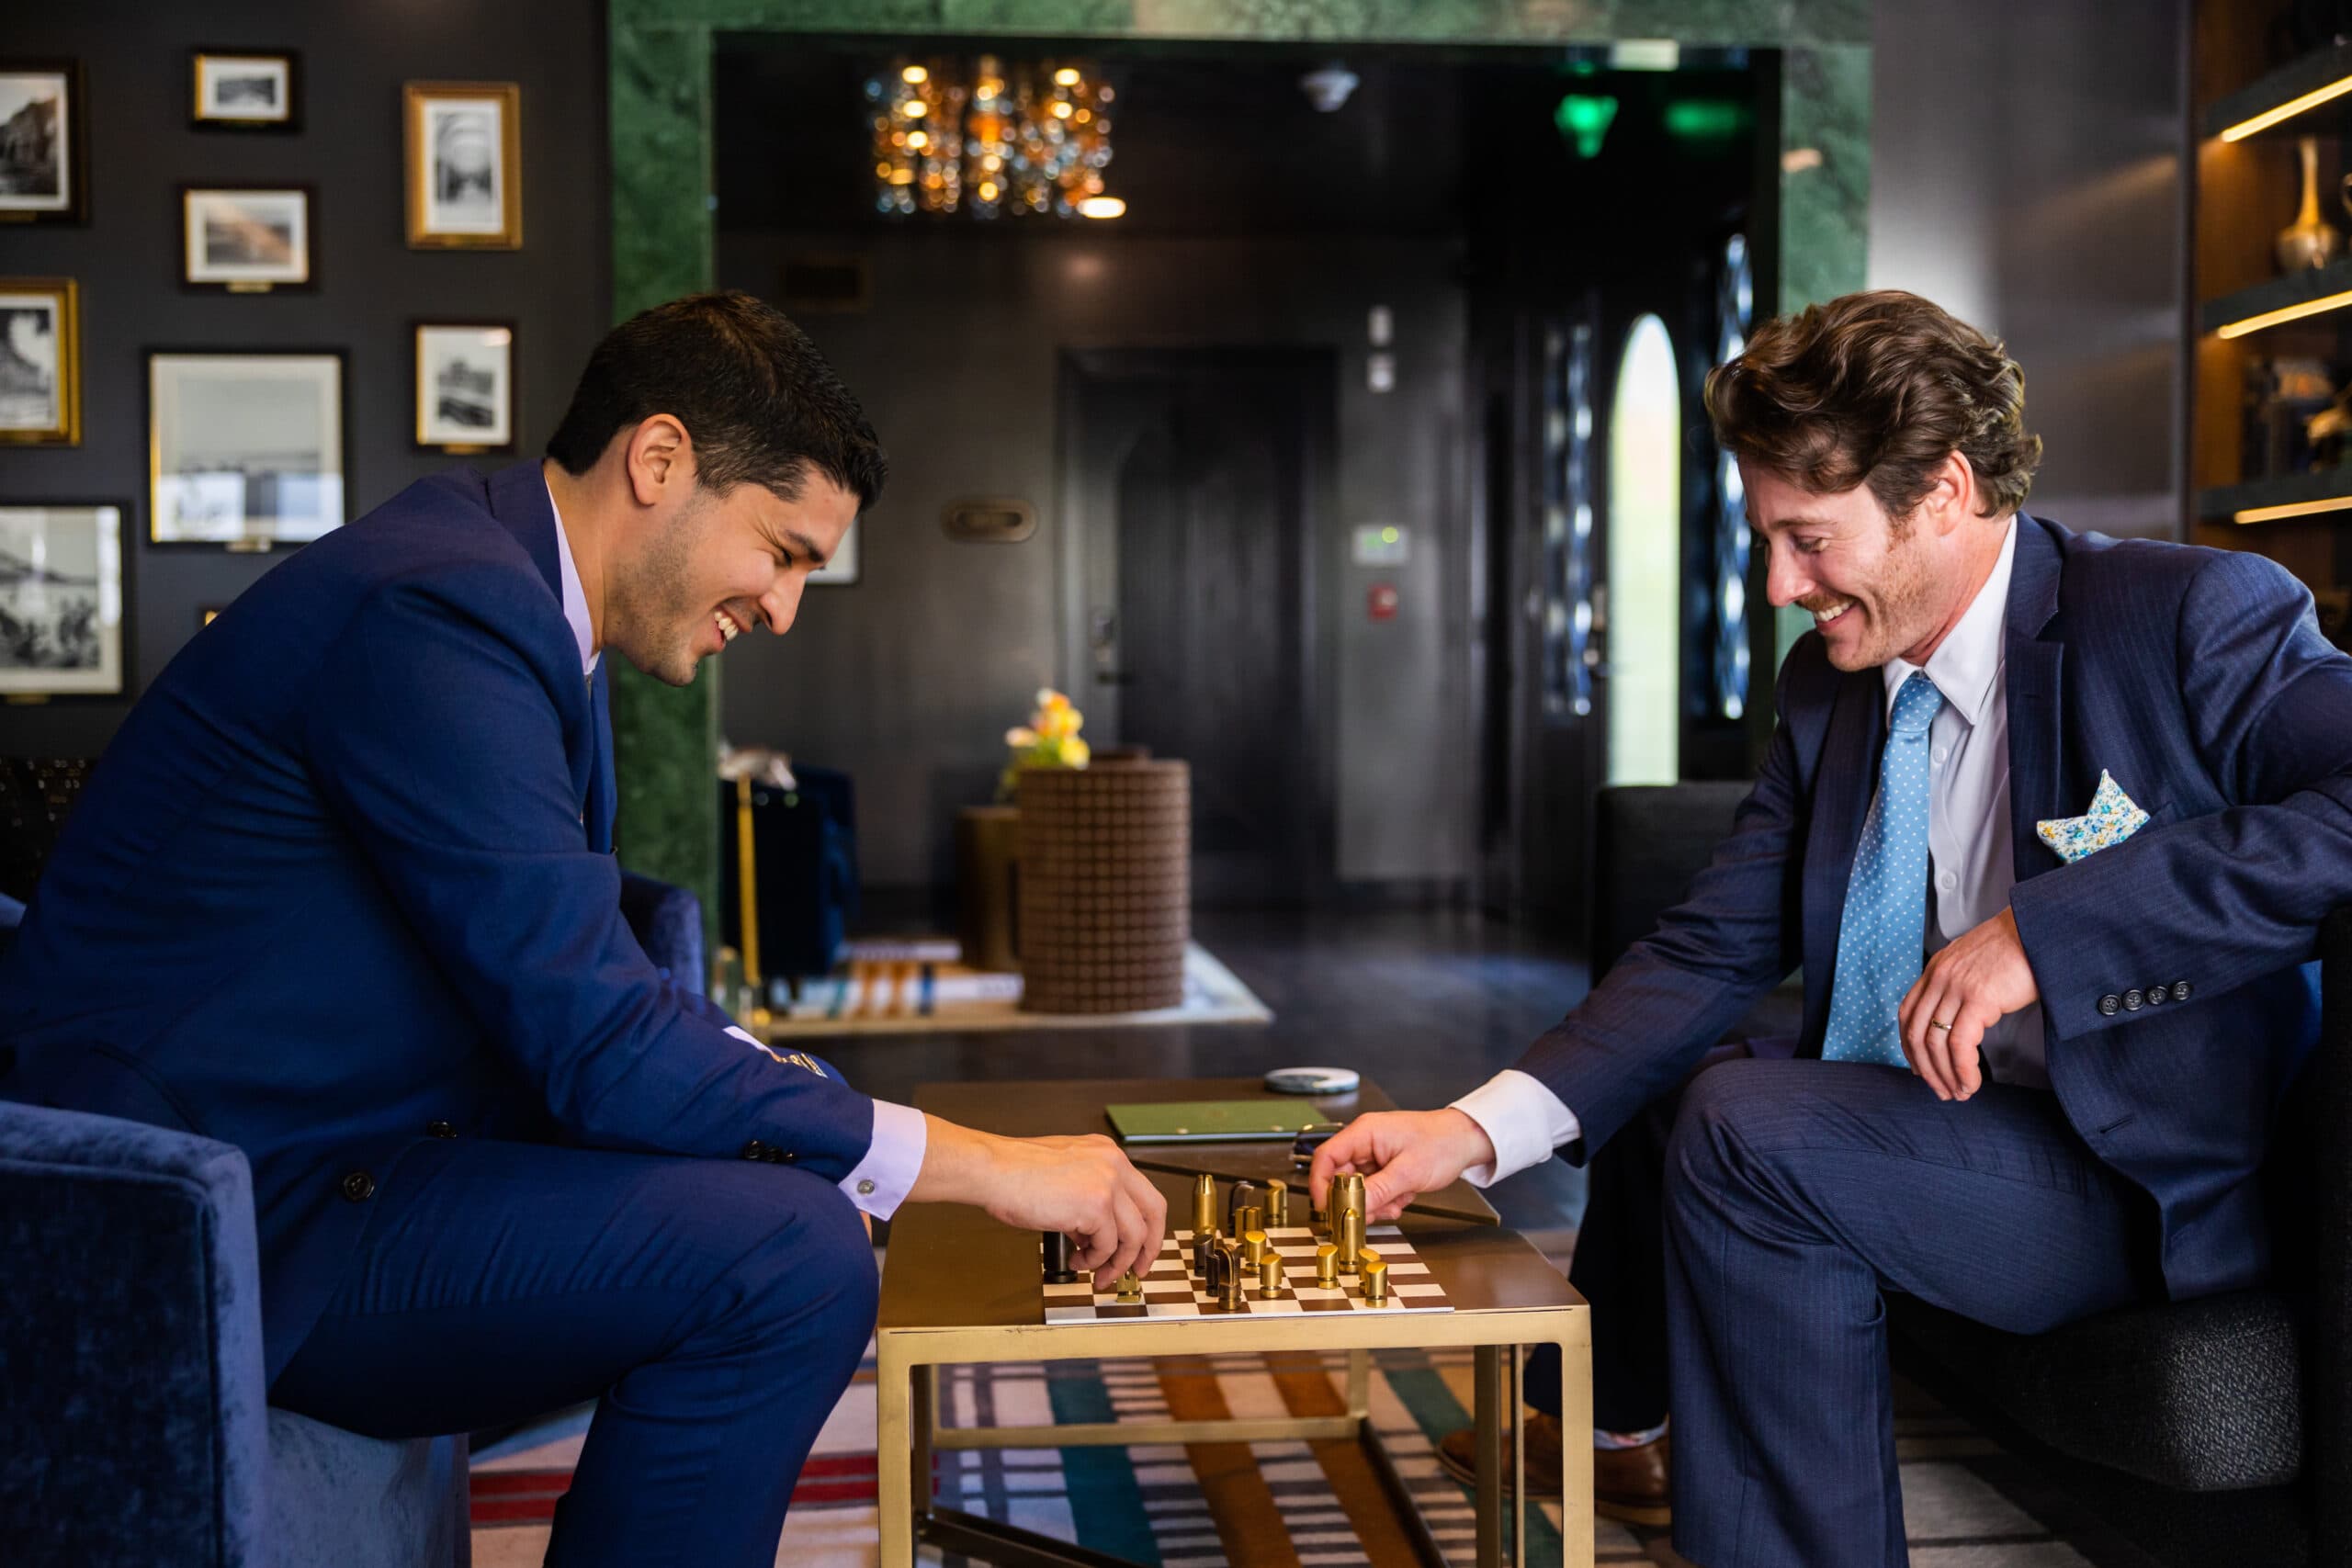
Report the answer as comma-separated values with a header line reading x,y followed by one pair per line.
x,y
1784,581
780,604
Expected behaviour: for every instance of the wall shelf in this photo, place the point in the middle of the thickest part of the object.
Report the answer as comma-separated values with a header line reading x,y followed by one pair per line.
x,y
2292,297
2326,493
2321,80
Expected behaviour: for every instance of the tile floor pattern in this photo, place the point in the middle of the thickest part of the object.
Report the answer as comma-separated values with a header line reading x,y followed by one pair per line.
x,y
1149,1503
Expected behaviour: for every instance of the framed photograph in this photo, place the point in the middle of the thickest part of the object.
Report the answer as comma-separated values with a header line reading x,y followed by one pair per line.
x,y
465,385
41,361
244,90
245,449
60,598
840,568
464,163
42,148
247,242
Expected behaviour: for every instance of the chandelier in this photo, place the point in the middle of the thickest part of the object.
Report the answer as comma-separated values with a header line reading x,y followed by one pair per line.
x,y
989,141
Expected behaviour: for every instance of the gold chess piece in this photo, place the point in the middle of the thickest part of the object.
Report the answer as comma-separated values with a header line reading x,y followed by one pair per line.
x,y
1277,1203
1373,1269
1326,1265
1253,1247
1350,1237
1270,1276
1203,1205
1130,1287
1350,1190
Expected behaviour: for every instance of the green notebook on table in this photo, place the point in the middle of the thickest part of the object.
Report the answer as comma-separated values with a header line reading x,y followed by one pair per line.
x,y
1263,1119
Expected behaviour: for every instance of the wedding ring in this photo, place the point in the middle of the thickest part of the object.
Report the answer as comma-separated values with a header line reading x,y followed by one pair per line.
x,y
1933,1024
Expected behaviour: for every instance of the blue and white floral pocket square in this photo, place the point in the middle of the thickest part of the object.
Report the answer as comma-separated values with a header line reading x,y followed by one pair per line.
x,y
2111,819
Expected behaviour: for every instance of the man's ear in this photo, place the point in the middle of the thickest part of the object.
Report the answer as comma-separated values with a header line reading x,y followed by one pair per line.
x,y
1950,499
660,460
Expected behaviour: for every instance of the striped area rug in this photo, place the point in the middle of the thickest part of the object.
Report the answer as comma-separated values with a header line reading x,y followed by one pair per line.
x,y
1293,1504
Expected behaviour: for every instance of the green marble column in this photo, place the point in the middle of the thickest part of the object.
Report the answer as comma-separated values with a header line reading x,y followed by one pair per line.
x,y
665,741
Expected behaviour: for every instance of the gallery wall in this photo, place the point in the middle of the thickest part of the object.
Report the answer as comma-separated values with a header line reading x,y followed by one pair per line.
x,y
371,289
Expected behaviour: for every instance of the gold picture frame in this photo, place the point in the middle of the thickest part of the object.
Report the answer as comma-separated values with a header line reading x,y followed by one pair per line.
x,y
464,154
40,336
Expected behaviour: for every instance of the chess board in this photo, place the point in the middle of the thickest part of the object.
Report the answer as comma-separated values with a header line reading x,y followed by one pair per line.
x,y
1172,1290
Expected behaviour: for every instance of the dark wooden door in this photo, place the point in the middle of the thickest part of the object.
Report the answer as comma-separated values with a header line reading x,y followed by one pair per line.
x,y
1205,466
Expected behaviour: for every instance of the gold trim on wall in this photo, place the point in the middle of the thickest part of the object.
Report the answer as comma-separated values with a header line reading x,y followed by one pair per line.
x,y
415,97
67,432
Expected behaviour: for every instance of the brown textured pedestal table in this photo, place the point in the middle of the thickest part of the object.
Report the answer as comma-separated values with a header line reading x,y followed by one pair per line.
x,y
1106,887
960,1289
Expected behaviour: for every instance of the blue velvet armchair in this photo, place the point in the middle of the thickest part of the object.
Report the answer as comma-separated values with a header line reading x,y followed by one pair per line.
x,y
134,1423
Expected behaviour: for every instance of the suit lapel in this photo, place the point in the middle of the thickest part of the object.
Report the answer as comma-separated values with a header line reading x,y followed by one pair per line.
x,y
2034,668
518,498
603,799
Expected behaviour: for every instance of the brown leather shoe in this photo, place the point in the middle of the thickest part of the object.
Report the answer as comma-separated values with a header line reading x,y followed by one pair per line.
x,y
1627,1483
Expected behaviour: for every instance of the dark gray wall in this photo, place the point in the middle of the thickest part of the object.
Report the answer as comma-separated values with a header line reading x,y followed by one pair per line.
x,y
2026,174
356,55
910,678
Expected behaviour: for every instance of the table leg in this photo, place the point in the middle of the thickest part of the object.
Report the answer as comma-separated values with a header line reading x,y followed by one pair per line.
x,y
925,1420
1360,1385
1486,1381
1517,1392
1575,1455
893,1452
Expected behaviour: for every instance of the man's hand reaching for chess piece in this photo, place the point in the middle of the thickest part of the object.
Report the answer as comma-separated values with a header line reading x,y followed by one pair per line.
x,y
1081,1186
1400,1155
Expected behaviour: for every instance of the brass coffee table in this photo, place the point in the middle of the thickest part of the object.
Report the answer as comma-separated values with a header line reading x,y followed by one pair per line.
x,y
959,1290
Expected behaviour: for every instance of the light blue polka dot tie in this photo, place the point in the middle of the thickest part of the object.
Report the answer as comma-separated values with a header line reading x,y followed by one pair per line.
x,y
1880,939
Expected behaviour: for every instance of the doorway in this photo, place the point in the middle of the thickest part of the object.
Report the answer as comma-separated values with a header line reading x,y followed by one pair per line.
x,y
1194,483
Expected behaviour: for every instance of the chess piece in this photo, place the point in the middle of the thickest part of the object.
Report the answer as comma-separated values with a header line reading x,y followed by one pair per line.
x,y
1242,1194
1317,1222
1058,1260
1374,1271
1130,1289
1349,1198
1203,1244
1326,1265
1270,1276
1213,1267
1234,1281
1277,1203
1253,1247
1252,1218
1204,1204
1351,1239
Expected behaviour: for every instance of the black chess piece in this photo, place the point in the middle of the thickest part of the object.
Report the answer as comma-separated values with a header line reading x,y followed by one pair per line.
x,y
1245,1194
1058,1260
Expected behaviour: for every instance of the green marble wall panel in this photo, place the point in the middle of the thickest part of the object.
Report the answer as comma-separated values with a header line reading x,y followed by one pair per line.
x,y
665,739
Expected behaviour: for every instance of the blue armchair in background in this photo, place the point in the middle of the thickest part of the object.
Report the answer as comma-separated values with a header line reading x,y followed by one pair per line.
x,y
134,1423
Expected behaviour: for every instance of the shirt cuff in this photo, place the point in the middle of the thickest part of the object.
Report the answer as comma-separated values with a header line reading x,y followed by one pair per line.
x,y
1523,1120
893,1160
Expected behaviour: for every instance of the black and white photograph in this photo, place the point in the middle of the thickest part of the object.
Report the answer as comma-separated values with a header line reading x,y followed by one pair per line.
x,y
464,177
40,141
245,240
41,361
247,449
60,600
465,385
244,91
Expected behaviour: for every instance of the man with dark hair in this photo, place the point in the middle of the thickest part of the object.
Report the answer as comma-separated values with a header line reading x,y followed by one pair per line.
x,y
2050,820
342,894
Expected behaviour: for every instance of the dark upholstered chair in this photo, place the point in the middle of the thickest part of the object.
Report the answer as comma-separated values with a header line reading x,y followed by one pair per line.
x,y
2205,1432
806,844
134,1428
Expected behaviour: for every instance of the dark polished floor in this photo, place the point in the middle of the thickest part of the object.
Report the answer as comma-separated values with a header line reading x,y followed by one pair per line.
x,y
1427,1004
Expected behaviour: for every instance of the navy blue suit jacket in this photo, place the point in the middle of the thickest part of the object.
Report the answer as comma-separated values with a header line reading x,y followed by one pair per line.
x,y
2199,680
344,874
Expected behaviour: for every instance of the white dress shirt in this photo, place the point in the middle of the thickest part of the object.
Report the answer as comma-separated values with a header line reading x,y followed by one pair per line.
x,y
1970,864
881,1181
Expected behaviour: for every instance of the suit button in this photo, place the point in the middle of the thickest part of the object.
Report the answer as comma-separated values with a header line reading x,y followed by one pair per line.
x,y
787,1157
2158,993
2180,991
2111,1004
2134,1001
755,1150
440,1130
359,1187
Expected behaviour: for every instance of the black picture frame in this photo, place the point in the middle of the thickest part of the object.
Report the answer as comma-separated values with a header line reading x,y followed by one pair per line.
x,y
307,282
127,621
419,438
287,124
241,543
74,208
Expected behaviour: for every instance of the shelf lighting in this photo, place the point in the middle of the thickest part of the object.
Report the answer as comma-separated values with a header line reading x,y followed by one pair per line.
x,y
2286,110
2286,313
2292,508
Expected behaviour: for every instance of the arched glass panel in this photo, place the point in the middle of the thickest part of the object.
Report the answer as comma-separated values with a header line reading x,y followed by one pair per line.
x,y
1644,560
1734,302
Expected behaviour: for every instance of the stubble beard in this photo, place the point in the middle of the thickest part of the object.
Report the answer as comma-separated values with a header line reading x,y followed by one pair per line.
x,y
654,606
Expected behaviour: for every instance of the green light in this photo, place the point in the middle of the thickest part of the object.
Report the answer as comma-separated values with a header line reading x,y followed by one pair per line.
x,y
1705,120
1586,119
1388,536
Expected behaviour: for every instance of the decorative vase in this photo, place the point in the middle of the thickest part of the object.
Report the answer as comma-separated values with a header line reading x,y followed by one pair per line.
x,y
1106,887
2308,243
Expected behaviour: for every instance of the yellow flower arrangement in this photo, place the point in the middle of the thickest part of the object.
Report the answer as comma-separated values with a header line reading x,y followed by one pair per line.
x,y
1049,740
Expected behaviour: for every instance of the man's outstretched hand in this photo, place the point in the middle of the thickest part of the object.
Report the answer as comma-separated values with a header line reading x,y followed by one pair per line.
x,y
1081,1186
1400,1155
